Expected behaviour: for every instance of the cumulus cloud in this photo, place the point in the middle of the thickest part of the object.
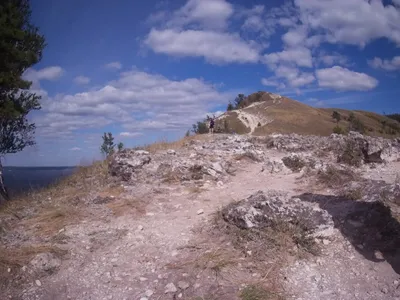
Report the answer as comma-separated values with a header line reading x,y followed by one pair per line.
x,y
299,56
136,100
215,47
81,80
272,82
343,79
210,14
115,65
75,149
332,59
386,64
48,73
355,22
130,134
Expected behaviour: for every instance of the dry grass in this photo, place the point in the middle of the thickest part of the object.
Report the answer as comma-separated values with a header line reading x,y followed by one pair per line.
x,y
351,154
333,177
163,145
19,257
257,292
352,194
294,163
126,206
50,220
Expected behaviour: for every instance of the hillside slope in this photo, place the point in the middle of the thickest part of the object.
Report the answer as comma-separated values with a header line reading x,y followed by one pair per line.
x,y
266,113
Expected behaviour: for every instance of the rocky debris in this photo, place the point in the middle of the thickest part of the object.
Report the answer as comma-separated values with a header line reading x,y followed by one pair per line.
x,y
124,163
103,200
183,285
264,210
170,288
274,166
294,163
45,262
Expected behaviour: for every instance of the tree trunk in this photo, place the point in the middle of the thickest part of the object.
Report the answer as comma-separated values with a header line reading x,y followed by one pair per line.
x,y
3,190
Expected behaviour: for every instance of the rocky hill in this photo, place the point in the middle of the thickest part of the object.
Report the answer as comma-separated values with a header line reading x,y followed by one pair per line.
x,y
265,113
224,217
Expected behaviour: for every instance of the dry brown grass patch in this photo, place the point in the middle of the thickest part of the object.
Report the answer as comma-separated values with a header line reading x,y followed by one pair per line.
x,y
19,257
163,145
333,177
50,220
258,292
124,206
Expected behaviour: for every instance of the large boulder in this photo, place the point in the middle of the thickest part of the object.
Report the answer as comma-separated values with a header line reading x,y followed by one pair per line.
x,y
125,163
262,210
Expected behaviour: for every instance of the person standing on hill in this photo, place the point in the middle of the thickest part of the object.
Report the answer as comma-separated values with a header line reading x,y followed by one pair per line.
x,y
212,124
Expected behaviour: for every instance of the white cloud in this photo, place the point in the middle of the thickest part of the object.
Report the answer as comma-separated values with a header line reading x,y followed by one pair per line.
x,y
343,79
295,37
299,56
81,80
136,100
215,47
386,64
294,77
333,59
355,22
396,2
210,14
48,73
130,134
75,149
272,82
115,65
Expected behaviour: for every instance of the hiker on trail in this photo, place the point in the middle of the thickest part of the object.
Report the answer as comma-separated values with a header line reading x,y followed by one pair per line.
x,y
212,123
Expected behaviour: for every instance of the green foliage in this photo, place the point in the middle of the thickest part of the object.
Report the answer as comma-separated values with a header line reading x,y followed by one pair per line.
x,y
200,128
356,124
120,146
351,155
239,101
187,134
107,148
395,117
21,46
230,107
336,116
338,130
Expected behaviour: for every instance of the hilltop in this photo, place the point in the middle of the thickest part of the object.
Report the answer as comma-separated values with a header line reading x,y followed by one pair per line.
x,y
264,113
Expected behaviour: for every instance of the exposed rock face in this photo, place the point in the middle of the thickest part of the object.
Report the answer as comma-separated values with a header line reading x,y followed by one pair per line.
x,y
263,210
213,160
127,162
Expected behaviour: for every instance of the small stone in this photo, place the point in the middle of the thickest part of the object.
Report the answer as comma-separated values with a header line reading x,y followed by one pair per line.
x,y
183,285
38,283
144,298
385,290
171,151
200,211
170,288
140,228
326,242
143,279
23,268
9,270
148,293
180,295
396,282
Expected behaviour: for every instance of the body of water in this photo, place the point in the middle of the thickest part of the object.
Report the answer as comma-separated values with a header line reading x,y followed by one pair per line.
x,y
23,179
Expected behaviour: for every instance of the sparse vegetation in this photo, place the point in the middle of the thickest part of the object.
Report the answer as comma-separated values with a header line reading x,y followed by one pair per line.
x,y
338,130
336,116
356,124
334,177
200,127
254,292
395,117
352,194
120,146
294,163
351,154
107,148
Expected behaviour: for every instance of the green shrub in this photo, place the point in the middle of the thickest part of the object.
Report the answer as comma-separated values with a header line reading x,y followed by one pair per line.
x,y
338,130
351,155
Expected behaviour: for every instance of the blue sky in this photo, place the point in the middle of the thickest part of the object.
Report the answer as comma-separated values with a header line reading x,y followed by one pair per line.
x,y
147,70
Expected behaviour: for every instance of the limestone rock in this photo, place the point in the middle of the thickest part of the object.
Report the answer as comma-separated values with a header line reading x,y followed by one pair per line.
x,y
170,288
45,262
